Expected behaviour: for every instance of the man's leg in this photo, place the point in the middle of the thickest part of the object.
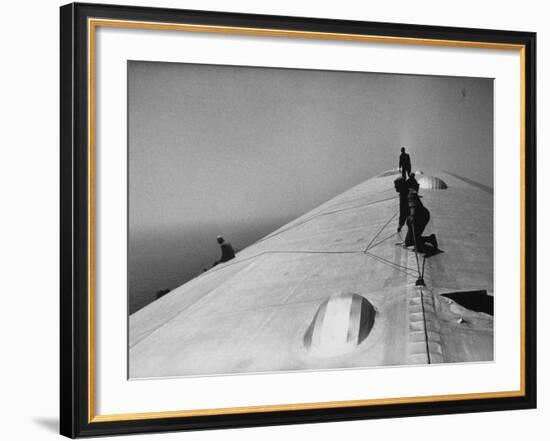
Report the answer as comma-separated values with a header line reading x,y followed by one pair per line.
x,y
409,238
421,220
418,242
432,240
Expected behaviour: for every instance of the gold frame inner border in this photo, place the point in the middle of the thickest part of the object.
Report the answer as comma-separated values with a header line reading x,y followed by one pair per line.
x,y
93,24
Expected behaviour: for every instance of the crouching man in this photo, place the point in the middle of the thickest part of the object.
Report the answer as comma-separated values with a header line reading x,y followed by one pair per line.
x,y
227,250
418,218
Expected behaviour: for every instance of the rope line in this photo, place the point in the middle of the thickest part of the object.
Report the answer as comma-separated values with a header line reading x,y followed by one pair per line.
x,y
347,201
290,227
371,244
425,326
381,259
402,268
421,276
383,240
381,229
390,264
235,261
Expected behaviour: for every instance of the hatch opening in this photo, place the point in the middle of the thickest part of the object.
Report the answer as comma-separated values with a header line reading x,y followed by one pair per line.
x,y
478,301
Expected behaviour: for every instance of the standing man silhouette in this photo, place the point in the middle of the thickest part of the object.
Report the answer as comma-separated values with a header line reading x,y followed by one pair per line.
x,y
405,163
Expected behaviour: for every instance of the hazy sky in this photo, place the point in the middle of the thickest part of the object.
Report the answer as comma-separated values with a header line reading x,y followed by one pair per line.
x,y
211,146
238,142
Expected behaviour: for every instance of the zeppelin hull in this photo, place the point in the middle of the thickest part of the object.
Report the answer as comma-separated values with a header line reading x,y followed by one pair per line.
x,y
334,289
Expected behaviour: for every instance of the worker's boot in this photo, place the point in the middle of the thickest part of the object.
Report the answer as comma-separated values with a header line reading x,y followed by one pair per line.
x,y
433,241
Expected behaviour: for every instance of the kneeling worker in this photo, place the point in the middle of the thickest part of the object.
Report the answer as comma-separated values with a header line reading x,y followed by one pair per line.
x,y
228,252
416,222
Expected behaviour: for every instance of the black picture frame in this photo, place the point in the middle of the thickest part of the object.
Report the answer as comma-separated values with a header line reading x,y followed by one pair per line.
x,y
76,417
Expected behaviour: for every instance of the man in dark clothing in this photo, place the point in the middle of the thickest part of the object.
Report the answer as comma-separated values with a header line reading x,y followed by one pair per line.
x,y
228,252
402,188
404,163
413,183
419,216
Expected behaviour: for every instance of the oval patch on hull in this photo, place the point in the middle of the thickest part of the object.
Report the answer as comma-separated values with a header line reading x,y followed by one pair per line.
x,y
431,183
340,324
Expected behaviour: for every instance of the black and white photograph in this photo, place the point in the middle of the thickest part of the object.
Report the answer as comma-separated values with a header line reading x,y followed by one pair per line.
x,y
275,220
284,220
